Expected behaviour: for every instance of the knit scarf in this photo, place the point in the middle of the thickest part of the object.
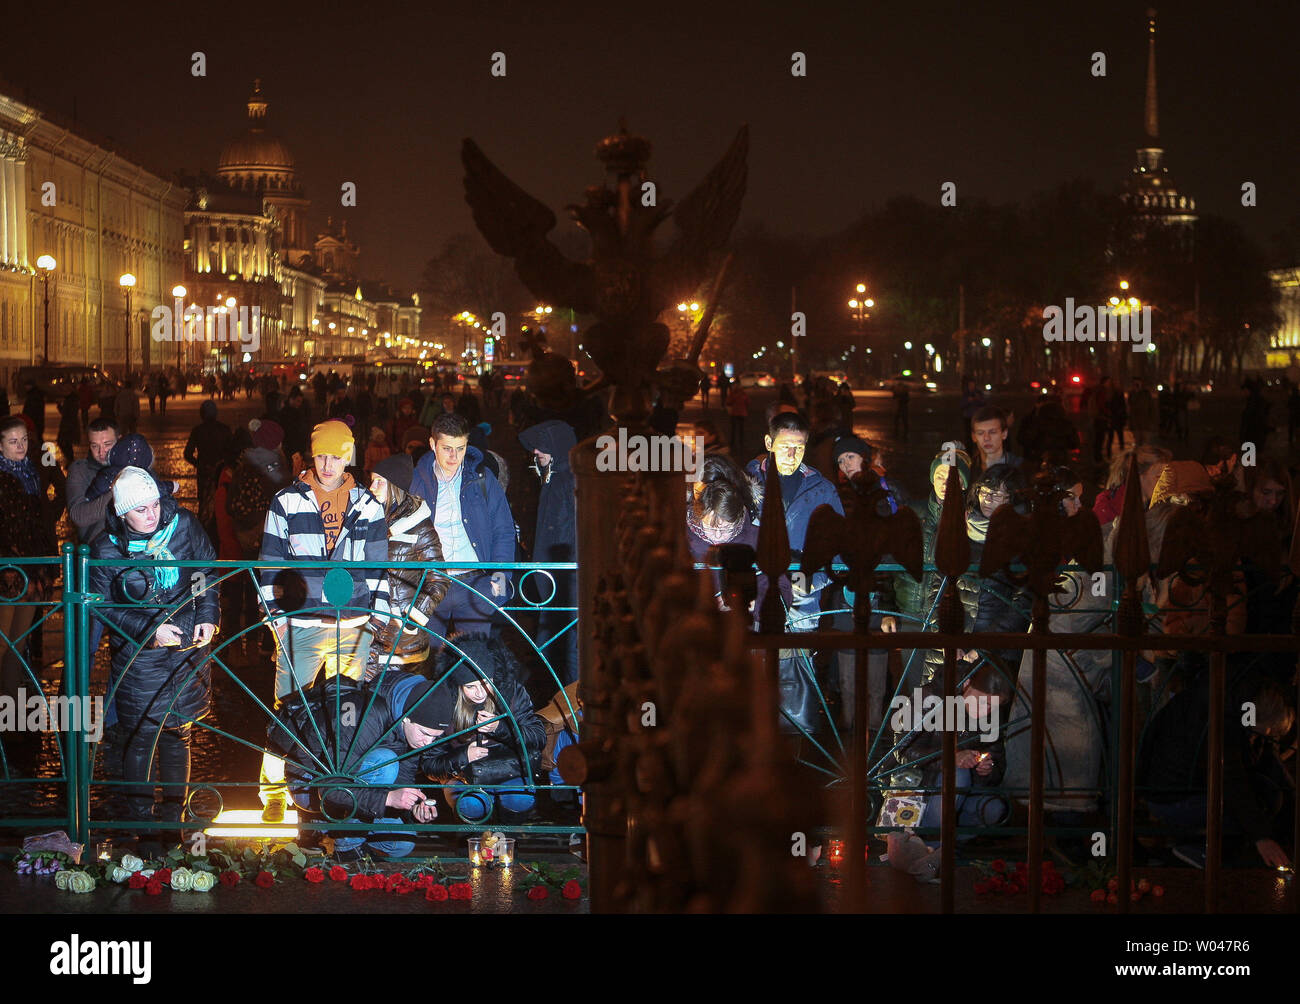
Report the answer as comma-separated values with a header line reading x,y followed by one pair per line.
x,y
155,548
25,471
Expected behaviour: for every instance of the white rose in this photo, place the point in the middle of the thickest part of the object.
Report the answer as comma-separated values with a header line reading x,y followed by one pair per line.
x,y
148,872
182,879
131,863
81,882
202,881
61,879
119,874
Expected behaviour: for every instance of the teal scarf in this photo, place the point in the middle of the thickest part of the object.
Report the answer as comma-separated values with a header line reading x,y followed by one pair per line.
x,y
155,547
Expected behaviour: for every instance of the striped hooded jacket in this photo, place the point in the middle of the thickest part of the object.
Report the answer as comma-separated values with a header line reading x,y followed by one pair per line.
x,y
294,531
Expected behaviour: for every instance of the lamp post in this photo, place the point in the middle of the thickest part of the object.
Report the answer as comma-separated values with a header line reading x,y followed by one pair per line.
x,y
179,292
46,264
127,282
860,305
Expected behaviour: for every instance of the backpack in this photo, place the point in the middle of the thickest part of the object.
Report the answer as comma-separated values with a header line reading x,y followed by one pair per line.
x,y
249,495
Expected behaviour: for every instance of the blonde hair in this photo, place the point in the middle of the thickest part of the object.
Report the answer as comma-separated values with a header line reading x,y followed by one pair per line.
x,y
1148,456
465,714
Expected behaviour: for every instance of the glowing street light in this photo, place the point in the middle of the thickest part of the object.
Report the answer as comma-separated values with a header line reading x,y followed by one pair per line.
x,y
127,282
46,264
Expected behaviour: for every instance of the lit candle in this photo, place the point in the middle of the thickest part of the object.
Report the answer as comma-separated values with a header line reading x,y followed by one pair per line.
x,y
836,853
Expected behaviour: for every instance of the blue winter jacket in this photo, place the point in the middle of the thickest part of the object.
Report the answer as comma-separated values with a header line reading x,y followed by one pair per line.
x,y
815,491
483,510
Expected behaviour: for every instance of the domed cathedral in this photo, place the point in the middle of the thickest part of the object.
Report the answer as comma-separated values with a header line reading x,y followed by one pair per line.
x,y
259,163
1151,197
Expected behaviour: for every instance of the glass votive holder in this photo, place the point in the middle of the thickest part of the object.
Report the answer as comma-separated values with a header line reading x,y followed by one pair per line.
x,y
104,850
476,851
505,851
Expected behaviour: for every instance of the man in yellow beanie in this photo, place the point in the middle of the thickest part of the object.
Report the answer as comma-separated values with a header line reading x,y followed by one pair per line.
x,y
324,515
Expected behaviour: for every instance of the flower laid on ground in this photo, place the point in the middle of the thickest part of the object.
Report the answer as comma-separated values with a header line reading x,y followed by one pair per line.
x,y
338,874
461,890
437,893
153,886
81,882
137,881
229,878
182,880
41,863
203,882
567,882
264,880
314,874
131,863
1013,881
119,874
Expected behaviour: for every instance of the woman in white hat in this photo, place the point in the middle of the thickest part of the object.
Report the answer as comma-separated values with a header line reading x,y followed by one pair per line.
x,y
161,628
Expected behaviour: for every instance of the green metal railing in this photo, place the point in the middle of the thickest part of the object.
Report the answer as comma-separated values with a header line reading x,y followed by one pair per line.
x,y
78,803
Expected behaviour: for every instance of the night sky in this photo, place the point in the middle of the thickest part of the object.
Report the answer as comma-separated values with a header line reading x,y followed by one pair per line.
x,y
997,97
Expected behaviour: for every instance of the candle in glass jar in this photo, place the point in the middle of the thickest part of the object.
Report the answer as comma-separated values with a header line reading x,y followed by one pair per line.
x,y
835,854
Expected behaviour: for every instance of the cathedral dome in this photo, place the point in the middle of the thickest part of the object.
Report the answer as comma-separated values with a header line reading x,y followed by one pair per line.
x,y
257,158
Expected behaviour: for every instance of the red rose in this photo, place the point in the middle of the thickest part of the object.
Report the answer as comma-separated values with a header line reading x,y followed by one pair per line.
x,y
981,888
461,890
1112,885
538,892
572,889
404,885
423,881
1112,898
359,882
137,881
163,875
153,887
264,880
1144,885
314,874
338,874
229,878
999,865
1157,891
1099,895
997,883
393,881
436,893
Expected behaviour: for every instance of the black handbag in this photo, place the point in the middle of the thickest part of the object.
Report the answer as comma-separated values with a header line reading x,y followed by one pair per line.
x,y
802,694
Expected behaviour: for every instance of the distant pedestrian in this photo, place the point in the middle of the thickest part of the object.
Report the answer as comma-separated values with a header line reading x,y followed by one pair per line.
x,y
901,397
705,386
738,409
126,407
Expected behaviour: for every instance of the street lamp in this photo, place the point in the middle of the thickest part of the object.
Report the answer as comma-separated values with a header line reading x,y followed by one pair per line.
x,y
127,282
860,305
46,264
179,293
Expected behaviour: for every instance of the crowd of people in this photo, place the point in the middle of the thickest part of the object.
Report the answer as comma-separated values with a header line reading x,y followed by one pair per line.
x,y
820,460
369,478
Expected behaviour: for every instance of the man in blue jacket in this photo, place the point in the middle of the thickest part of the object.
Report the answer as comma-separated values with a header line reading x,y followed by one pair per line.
x,y
473,520
803,489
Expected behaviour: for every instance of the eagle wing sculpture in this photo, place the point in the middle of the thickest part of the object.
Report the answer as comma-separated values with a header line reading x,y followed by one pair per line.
x,y
516,225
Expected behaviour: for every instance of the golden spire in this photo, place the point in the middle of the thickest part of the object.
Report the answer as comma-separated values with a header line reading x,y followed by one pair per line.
x,y
1152,124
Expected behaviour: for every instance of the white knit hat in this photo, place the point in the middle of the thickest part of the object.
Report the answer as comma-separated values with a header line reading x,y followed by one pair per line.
x,y
132,488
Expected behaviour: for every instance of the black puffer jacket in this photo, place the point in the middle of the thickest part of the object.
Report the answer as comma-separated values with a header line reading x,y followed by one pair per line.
x,y
412,592
327,731
922,602
157,680
504,761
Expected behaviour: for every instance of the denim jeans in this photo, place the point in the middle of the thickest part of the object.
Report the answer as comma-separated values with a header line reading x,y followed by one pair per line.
x,y
341,650
974,808
476,804
378,767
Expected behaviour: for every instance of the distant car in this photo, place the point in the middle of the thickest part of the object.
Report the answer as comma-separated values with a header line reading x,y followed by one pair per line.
x,y
918,383
836,376
757,379
56,381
